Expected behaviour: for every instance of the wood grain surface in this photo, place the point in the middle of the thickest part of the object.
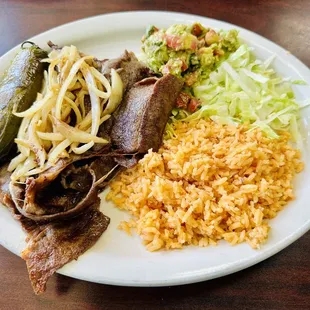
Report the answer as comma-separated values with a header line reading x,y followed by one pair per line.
x,y
281,282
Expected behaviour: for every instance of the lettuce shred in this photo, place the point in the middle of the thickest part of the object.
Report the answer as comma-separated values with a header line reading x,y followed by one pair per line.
x,y
244,89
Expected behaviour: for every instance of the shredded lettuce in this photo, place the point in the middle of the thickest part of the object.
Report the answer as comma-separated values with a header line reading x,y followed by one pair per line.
x,y
245,89
300,82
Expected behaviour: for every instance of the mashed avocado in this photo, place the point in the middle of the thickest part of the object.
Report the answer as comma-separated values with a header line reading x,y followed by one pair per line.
x,y
190,52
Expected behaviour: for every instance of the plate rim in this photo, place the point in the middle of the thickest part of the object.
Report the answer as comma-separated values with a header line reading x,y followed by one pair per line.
x,y
200,275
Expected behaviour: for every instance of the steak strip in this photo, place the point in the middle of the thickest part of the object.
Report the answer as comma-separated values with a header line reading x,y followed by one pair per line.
x,y
50,246
53,245
140,121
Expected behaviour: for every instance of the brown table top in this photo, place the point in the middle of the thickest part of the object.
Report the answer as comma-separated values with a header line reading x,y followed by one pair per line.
x,y
281,282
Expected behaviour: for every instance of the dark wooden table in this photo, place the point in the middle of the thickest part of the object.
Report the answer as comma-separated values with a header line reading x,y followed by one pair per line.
x,y
281,282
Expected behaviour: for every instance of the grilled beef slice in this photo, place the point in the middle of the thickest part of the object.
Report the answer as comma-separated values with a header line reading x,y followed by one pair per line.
x,y
64,190
50,246
140,121
44,199
128,67
53,245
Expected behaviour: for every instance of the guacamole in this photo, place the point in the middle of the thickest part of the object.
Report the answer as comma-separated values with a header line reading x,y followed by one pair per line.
x,y
190,52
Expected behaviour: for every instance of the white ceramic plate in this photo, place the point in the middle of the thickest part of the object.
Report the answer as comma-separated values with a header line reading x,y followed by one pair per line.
x,y
122,260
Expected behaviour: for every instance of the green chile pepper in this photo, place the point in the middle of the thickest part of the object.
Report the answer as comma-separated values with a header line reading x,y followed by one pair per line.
x,y
18,90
